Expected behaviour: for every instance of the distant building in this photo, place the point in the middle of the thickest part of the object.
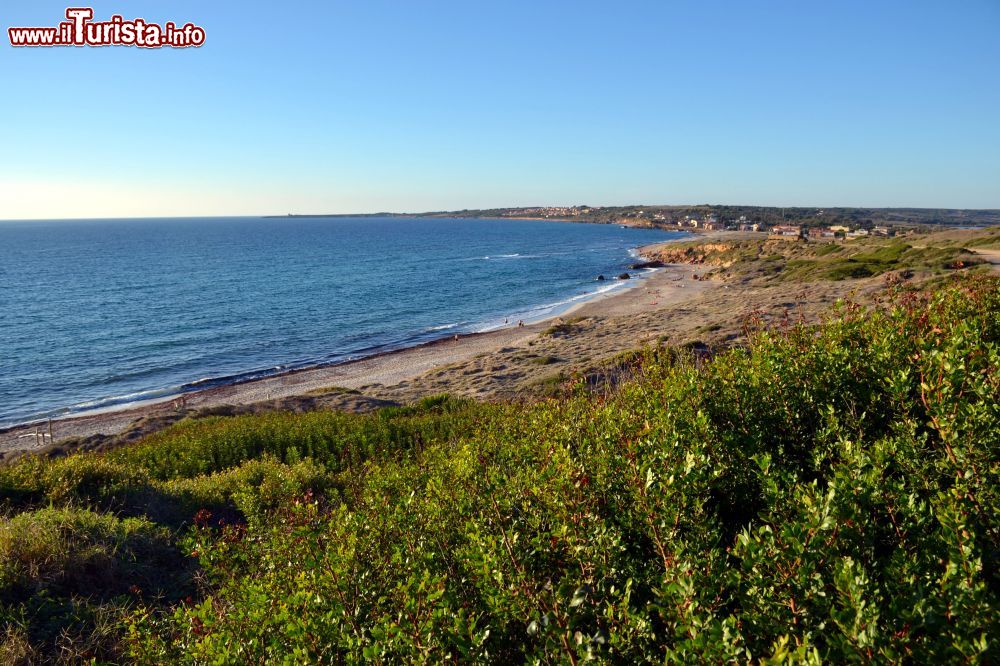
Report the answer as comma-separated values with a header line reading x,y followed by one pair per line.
x,y
883,231
786,231
822,232
859,233
839,229
750,226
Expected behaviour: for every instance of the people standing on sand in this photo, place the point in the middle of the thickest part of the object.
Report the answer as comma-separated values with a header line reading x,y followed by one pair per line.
x,y
456,337
520,324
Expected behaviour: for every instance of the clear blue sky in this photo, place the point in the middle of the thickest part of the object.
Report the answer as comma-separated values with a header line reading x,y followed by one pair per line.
x,y
407,106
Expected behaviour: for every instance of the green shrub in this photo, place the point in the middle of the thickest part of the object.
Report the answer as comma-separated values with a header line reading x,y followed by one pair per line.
x,y
850,269
64,574
827,248
254,489
827,494
78,550
888,253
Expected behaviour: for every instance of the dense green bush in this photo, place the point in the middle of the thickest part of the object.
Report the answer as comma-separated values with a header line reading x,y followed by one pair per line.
x,y
123,480
61,571
826,493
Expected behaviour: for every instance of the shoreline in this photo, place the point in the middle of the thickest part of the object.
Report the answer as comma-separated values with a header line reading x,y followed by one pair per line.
x,y
383,368
211,383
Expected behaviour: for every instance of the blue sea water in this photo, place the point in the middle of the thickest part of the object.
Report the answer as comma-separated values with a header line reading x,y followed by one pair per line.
x,y
102,312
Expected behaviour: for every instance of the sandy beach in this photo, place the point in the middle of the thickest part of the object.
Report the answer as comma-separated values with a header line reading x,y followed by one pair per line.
x,y
388,378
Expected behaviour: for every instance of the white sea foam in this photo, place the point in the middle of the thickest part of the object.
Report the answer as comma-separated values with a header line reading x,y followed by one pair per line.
x,y
516,255
547,310
117,401
124,399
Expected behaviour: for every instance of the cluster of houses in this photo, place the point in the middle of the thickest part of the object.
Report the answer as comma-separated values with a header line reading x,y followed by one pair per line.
x,y
832,231
787,231
548,211
708,223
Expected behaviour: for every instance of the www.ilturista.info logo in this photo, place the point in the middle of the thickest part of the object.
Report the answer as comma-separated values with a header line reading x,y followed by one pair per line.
x,y
82,30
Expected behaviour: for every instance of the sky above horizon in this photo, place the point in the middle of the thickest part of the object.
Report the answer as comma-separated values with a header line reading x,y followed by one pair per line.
x,y
354,107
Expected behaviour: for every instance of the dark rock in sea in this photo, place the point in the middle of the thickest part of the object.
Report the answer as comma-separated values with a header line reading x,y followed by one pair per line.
x,y
600,278
624,276
647,264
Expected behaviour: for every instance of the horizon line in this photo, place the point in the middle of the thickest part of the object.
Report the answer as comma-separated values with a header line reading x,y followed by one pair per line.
x,y
472,210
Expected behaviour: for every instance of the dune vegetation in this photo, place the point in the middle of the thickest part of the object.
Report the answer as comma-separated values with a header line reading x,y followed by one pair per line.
x,y
822,493
797,261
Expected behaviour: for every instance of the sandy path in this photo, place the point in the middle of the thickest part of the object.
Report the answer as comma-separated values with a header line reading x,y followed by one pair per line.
x,y
991,256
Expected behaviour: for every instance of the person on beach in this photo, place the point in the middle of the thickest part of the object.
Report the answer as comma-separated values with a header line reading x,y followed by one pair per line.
x,y
520,324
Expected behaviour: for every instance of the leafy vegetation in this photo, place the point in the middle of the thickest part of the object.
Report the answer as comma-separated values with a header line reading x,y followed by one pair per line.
x,y
826,493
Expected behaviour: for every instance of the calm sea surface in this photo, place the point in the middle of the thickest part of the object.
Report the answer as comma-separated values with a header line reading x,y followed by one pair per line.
x,y
98,313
